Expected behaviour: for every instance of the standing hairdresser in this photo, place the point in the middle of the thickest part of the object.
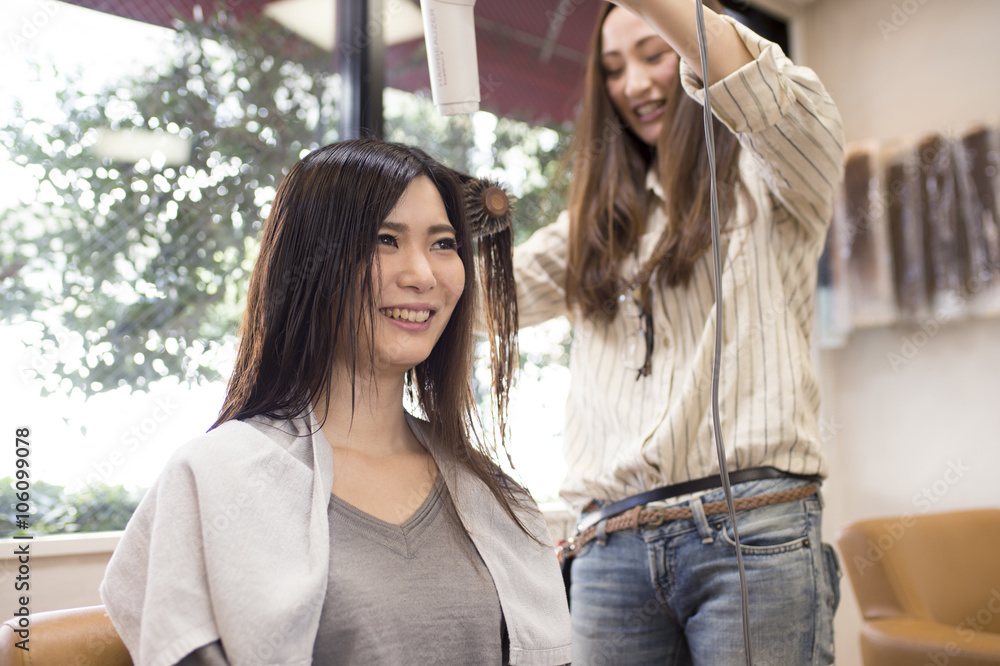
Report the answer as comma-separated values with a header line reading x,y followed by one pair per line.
x,y
630,262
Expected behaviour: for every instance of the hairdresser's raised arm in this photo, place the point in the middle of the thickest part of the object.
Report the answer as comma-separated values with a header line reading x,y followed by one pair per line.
x,y
676,21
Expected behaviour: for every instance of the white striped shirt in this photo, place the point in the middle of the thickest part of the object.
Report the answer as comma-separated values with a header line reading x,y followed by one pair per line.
x,y
624,436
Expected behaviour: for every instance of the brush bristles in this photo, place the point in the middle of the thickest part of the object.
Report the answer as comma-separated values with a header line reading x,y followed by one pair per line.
x,y
488,206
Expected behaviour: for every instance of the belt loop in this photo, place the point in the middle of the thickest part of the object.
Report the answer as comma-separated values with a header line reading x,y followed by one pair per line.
x,y
602,533
700,521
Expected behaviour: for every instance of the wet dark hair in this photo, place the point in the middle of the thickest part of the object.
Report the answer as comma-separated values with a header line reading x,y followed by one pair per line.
x,y
312,295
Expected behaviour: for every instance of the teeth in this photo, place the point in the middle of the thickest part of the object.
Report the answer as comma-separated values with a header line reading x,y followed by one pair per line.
x,y
416,316
648,108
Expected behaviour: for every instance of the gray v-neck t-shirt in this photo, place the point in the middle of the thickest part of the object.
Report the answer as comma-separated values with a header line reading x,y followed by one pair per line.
x,y
416,593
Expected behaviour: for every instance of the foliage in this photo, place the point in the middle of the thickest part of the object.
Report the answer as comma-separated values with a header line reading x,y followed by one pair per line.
x,y
136,269
545,179
97,508
142,259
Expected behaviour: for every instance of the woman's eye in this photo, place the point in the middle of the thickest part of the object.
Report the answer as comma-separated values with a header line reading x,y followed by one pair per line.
x,y
612,73
657,57
387,239
448,244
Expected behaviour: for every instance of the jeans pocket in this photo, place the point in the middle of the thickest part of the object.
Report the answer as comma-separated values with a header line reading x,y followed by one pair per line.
x,y
769,530
772,549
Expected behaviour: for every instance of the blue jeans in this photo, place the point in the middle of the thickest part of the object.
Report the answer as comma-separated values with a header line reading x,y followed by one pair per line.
x,y
671,595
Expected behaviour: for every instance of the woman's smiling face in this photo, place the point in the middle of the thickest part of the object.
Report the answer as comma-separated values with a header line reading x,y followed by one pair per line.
x,y
640,72
421,277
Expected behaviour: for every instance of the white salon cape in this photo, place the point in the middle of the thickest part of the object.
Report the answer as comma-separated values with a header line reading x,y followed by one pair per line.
x,y
232,543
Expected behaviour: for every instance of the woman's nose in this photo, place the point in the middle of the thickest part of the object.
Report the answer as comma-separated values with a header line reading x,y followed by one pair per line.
x,y
636,80
417,272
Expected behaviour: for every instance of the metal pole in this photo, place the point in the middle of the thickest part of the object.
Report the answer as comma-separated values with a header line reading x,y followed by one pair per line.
x,y
361,49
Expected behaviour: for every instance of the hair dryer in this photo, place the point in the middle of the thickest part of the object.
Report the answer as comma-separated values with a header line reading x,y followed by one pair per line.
x,y
450,35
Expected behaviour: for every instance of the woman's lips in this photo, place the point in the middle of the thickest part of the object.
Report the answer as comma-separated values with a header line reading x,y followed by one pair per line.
x,y
650,111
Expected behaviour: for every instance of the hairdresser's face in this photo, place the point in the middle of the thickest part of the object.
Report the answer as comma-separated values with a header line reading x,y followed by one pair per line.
x,y
422,277
640,71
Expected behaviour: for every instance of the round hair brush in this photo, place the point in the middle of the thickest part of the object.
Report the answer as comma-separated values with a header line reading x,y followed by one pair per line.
x,y
488,206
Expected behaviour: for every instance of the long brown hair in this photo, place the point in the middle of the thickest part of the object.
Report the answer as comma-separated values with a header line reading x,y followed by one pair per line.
x,y
607,196
312,292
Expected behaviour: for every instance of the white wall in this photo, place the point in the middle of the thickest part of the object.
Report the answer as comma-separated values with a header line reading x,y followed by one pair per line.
x,y
937,69
898,431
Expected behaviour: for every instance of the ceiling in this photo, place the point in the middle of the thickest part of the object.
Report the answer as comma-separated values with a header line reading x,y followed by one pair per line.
x,y
531,52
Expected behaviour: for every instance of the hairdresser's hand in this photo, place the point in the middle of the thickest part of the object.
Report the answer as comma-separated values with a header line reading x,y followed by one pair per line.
x,y
676,22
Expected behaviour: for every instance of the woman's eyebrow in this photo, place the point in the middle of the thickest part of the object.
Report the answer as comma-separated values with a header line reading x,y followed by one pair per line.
x,y
400,227
393,226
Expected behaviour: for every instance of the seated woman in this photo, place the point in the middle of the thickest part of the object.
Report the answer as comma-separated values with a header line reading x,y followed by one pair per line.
x,y
318,521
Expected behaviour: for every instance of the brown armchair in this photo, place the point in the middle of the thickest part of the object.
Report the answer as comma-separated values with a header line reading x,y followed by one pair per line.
x,y
928,587
77,636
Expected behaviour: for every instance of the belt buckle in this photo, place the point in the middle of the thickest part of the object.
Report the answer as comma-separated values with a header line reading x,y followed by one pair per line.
x,y
656,522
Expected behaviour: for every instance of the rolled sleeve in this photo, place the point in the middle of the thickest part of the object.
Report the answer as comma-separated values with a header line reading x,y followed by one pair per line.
x,y
785,119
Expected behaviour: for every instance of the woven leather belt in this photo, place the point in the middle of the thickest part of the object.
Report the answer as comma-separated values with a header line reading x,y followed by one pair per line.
x,y
639,516
683,488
